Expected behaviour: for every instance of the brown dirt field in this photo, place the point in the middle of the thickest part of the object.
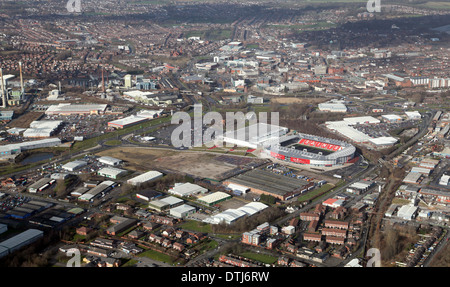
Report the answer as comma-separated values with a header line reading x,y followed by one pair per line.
x,y
24,121
194,163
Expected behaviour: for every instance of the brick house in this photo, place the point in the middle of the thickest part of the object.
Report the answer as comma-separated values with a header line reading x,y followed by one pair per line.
x,y
312,237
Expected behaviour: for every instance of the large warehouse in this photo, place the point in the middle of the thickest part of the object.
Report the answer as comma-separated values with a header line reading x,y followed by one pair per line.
x,y
112,172
11,150
22,239
127,122
187,189
214,198
74,165
253,136
42,129
165,203
103,187
70,109
182,211
269,183
145,177
311,150
230,216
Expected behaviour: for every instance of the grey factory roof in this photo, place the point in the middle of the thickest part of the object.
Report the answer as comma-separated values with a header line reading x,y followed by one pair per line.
x,y
268,181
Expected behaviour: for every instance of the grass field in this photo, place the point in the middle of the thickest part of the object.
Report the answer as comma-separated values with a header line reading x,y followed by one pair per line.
x,y
316,192
196,226
201,164
155,255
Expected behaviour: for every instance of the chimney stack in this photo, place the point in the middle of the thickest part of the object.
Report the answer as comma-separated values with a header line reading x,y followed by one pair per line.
x,y
3,89
22,89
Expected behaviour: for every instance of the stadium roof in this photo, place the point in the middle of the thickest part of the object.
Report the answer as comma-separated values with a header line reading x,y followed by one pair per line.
x,y
347,149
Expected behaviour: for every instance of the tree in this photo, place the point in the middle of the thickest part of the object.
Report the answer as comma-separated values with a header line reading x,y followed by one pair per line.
x,y
60,188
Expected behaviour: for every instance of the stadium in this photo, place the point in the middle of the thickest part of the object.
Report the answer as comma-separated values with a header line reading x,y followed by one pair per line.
x,y
310,150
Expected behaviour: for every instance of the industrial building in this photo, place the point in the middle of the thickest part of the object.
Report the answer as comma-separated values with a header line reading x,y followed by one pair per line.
x,y
42,129
230,216
359,187
74,165
253,136
413,178
187,189
429,163
22,239
165,203
6,115
79,191
382,142
3,228
110,161
214,198
145,177
12,150
148,195
346,129
41,184
127,122
407,212
269,183
121,226
103,187
112,172
415,115
182,211
74,109
391,118
333,106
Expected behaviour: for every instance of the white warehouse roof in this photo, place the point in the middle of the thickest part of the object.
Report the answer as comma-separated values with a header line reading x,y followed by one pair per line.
x,y
148,176
216,196
70,108
186,189
109,160
391,117
231,215
71,166
111,172
179,211
407,211
171,200
383,141
361,120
